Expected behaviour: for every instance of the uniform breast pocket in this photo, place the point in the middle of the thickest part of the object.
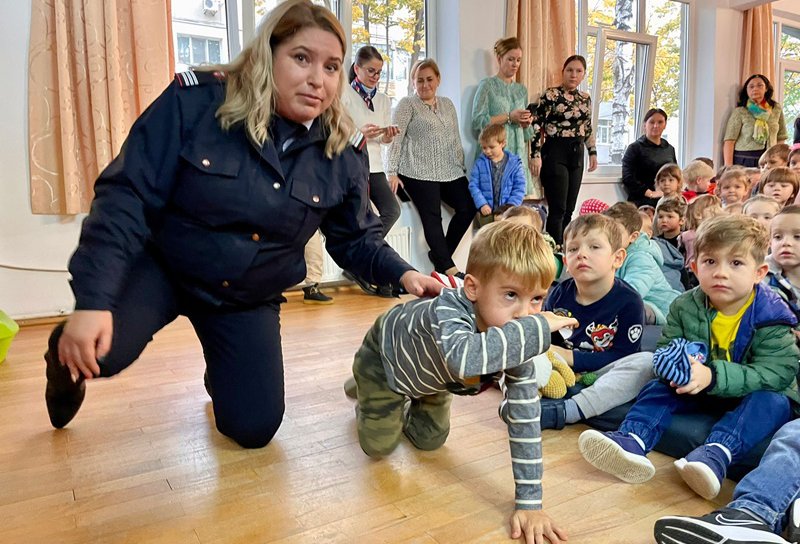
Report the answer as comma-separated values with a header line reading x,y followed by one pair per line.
x,y
209,187
316,199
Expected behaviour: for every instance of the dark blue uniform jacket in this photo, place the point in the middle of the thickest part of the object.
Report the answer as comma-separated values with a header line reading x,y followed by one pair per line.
x,y
227,218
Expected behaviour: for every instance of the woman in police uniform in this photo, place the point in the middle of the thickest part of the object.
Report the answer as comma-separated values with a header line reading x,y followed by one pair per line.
x,y
205,213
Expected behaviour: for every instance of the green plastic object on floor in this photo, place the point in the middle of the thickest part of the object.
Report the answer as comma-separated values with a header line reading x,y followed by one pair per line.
x,y
8,330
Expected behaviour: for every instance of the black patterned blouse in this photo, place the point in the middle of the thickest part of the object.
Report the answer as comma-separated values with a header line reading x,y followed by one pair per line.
x,y
563,114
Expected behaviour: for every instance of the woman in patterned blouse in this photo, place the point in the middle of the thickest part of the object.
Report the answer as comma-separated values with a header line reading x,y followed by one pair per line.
x,y
427,160
562,127
500,100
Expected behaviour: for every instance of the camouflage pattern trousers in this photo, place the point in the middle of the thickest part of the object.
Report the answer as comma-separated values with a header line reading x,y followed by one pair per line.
x,y
384,414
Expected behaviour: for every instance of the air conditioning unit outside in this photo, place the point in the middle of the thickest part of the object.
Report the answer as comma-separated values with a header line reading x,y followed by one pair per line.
x,y
210,7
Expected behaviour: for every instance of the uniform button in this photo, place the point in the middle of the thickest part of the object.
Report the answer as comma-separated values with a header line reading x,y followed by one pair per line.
x,y
255,237
225,283
315,199
206,163
276,185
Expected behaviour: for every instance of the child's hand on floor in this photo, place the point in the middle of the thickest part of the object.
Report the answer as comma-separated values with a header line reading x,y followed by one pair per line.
x,y
701,378
536,526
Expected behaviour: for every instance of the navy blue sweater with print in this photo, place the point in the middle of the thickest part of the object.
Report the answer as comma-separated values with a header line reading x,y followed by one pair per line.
x,y
608,329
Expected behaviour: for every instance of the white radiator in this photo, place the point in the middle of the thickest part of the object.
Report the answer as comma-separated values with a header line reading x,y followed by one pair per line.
x,y
399,238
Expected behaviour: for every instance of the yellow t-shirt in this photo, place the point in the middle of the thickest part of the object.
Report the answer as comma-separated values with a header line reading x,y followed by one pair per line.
x,y
724,329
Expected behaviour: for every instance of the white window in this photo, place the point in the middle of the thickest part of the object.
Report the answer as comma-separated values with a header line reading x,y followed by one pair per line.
x,y
787,86
200,33
642,65
193,50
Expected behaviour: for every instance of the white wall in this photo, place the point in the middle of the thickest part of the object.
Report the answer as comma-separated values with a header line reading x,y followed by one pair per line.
x,y
26,240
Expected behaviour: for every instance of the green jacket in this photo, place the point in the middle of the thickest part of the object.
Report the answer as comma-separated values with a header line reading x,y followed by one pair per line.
x,y
764,354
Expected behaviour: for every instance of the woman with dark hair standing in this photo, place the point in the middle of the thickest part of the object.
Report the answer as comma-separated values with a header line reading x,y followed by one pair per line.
x,y
562,127
427,160
370,109
500,100
644,157
756,124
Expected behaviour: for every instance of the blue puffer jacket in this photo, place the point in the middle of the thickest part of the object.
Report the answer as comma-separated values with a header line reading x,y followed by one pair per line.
x,y
512,184
672,265
642,271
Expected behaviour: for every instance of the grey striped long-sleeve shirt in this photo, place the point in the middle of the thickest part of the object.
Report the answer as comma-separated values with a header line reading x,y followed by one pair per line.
x,y
429,346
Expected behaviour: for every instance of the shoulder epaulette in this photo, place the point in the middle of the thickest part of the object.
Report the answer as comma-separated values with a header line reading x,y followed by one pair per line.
x,y
192,78
357,140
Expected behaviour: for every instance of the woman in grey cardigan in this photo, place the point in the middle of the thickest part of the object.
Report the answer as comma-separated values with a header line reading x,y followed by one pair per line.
x,y
427,160
756,124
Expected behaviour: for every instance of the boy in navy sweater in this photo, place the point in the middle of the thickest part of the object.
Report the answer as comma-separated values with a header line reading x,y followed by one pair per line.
x,y
610,316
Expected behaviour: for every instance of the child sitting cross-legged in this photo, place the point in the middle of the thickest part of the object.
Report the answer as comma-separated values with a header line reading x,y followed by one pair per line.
x,y
641,268
727,349
419,353
611,317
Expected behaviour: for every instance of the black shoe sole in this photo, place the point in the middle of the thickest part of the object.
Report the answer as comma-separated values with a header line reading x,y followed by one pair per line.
x,y
361,282
679,530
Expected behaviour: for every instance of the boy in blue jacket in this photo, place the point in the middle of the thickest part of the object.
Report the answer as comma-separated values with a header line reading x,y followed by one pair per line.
x,y
497,178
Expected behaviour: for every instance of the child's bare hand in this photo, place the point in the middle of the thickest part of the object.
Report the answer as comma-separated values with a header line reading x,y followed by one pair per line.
x,y
701,378
536,527
557,322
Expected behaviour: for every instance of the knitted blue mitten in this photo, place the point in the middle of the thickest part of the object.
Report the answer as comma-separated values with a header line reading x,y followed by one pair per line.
x,y
671,362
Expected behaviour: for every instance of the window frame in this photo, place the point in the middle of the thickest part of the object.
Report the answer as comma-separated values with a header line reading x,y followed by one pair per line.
x,y
783,63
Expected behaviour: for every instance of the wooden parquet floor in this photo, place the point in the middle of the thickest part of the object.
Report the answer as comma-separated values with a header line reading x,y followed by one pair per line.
x,y
142,461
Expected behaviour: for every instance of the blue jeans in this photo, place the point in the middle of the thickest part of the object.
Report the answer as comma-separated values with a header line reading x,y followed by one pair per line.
x,y
773,486
743,423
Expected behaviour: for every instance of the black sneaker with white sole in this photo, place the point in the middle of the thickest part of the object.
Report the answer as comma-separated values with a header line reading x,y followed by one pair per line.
x,y
728,525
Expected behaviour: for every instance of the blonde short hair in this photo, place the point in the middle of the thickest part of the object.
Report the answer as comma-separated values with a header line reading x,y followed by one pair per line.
x,y
777,151
516,249
250,96
733,175
696,170
728,231
496,133
534,216
694,213
761,198
595,222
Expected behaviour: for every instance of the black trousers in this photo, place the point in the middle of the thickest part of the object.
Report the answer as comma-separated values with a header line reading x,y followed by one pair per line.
x,y
242,350
384,199
428,197
561,175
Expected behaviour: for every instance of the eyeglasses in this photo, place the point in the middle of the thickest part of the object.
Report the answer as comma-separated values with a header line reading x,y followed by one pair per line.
x,y
373,72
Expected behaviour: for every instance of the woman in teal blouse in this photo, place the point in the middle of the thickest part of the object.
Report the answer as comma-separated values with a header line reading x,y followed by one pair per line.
x,y
500,100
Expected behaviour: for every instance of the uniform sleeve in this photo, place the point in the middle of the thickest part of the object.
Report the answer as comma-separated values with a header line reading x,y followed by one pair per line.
x,y
520,409
469,353
627,340
403,114
480,107
630,163
136,184
772,367
354,236
734,126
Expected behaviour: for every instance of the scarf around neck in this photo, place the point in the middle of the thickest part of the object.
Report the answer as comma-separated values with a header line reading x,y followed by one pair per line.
x,y
760,113
364,92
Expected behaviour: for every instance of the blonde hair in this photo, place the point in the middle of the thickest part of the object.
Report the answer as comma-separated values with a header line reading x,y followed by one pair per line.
x,y
726,231
761,198
694,213
780,174
527,212
697,169
595,222
733,175
516,249
426,63
495,133
250,97
504,45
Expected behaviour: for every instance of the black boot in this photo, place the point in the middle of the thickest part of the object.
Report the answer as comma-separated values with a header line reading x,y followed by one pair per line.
x,y
63,396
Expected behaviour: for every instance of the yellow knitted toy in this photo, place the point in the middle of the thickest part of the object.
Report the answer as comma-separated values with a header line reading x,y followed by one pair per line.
x,y
561,377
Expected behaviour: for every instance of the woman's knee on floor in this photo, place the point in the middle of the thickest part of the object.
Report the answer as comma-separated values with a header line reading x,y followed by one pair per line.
x,y
251,432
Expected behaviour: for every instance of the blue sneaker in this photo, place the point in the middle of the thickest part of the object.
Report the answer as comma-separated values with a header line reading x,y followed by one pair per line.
x,y
728,525
618,454
704,469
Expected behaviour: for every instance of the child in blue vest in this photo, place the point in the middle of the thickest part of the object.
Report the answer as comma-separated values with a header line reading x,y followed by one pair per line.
x,y
497,178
